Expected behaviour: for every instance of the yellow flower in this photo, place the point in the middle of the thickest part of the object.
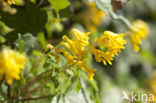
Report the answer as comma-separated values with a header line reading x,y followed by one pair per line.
x,y
138,33
91,17
101,56
71,59
7,2
112,42
11,64
76,50
85,68
96,14
77,45
70,45
81,39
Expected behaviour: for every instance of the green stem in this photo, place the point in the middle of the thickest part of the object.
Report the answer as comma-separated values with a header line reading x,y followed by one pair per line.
x,y
25,87
84,94
9,91
36,98
35,89
121,18
1,81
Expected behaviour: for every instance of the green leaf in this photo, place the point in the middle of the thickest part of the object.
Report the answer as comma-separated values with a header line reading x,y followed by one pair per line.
x,y
2,39
94,85
63,13
25,42
59,4
31,19
78,86
29,41
104,5
42,40
22,80
55,81
74,81
20,43
12,36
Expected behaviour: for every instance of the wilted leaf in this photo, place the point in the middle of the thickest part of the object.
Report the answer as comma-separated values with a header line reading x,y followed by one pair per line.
x,y
118,4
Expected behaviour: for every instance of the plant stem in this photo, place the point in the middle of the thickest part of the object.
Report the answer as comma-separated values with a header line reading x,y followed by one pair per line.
x,y
84,94
34,64
25,87
69,66
121,18
36,98
1,81
35,89
9,91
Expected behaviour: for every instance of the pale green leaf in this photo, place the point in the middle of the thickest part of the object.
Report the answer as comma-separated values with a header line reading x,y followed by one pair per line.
x,y
104,5
59,4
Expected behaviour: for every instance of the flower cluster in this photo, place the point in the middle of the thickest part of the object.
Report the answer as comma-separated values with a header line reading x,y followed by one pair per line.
x,y
75,49
11,64
138,33
113,43
7,2
91,17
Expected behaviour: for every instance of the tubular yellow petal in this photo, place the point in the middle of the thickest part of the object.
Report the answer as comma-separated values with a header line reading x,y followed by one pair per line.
x,y
11,64
139,32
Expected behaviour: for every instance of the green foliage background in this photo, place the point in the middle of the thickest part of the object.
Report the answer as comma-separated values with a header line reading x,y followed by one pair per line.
x,y
39,22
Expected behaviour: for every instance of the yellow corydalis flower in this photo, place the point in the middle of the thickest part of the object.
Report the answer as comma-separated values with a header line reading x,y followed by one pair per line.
x,y
78,43
101,56
112,42
71,59
7,2
91,17
85,68
97,14
81,39
11,64
138,33
77,50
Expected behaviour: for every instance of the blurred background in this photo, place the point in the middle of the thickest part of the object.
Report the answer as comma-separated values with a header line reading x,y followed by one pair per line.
x,y
131,71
